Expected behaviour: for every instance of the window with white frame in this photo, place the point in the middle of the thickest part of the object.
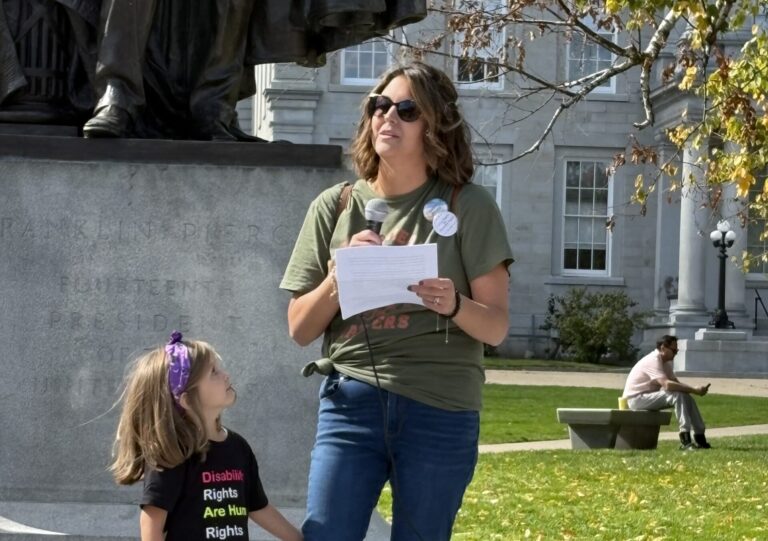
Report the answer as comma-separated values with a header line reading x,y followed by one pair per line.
x,y
482,69
363,64
586,244
586,57
757,242
489,177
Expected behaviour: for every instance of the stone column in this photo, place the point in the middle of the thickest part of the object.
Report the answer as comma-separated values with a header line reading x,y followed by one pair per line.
x,y
666,253
694,240
735,280
265,75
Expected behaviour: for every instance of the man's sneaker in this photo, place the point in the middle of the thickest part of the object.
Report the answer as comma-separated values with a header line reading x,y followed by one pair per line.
x,y
685,442
701,441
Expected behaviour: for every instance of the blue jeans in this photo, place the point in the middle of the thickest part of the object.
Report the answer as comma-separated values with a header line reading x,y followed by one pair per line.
x,y
430,461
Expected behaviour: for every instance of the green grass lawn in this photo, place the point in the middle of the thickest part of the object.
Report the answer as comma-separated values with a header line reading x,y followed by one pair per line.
x,y
499,363
666,494
514,413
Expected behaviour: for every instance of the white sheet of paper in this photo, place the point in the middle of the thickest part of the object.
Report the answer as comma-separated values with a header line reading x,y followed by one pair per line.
x,y
370,277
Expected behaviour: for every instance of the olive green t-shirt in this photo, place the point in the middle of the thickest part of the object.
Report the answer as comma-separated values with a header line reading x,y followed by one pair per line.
x,y
407,341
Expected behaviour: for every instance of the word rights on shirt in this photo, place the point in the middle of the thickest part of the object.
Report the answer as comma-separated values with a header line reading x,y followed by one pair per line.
x,y
218,507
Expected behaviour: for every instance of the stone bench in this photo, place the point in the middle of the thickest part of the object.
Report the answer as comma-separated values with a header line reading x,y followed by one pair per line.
x,y
596,428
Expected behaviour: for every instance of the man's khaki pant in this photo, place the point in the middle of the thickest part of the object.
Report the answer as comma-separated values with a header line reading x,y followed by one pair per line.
x,y
686,410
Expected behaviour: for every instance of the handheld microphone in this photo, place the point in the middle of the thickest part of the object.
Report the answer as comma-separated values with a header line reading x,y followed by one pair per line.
x,y
376,211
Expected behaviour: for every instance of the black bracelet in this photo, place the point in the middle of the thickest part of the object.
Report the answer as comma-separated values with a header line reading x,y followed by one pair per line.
x,y
455,308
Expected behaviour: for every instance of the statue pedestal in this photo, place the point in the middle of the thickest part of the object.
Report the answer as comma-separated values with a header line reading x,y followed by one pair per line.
x,y
722,352
728,335
9,128
109,245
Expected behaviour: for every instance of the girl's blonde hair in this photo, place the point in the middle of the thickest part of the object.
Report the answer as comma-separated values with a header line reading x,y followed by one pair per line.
x,y
154,431
446,138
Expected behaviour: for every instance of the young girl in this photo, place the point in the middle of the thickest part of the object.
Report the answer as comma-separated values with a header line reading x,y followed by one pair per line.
x,y
201,480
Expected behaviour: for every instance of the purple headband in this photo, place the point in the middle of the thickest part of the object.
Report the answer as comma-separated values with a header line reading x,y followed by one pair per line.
x,y
179,367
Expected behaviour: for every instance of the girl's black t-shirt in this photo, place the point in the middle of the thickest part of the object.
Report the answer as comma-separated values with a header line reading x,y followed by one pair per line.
x,y
210,499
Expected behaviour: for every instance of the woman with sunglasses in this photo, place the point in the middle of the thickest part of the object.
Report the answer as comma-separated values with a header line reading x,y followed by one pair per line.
x,y
401,398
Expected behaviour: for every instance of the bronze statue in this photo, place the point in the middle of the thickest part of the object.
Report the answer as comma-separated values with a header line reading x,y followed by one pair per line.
x,y
47,55
176,68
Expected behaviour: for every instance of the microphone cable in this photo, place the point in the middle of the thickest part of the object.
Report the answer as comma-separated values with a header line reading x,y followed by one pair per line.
x,y
387,444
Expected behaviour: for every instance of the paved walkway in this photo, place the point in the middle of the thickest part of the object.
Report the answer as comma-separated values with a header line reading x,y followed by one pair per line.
x,y
712,433
614,380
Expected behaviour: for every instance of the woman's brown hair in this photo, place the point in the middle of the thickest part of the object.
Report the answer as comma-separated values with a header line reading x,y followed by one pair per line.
x,y
446,138
154,431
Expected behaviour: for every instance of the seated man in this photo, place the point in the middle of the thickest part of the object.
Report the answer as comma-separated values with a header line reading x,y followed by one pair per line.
x,y
652,385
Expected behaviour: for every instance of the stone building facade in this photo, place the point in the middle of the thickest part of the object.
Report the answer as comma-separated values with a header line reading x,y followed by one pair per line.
x,y
557,200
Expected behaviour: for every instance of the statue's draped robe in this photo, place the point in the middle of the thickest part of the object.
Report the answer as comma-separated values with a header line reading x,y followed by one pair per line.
x,y
183,35
83,17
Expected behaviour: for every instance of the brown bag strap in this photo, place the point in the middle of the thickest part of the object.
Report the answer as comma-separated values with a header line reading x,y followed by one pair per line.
x,y
346,191
454,197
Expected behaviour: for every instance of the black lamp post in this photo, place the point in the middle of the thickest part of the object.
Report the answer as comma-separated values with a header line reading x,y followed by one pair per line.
x,y
722,238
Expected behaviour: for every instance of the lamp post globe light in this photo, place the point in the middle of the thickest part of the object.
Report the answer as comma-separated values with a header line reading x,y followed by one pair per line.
x,y
722,238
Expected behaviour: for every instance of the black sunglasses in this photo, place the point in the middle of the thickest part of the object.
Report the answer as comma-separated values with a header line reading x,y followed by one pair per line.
x,y
379,105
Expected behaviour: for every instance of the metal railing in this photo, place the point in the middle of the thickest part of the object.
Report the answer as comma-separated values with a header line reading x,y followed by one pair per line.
x,y
759,301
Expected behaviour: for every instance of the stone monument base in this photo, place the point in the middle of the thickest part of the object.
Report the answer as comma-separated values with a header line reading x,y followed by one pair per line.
x,y
109,245
722,352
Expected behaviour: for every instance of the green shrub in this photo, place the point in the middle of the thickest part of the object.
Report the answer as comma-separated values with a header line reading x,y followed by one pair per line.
x,y
590,327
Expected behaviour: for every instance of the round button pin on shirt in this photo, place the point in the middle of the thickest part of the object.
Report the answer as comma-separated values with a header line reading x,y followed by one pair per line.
x,y
434,207
445,224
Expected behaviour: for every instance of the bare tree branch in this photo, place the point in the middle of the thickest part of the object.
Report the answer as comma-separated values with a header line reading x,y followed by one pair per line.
x,y
645,91
590,33
511,69
651,53
586,89
476,24
726,6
